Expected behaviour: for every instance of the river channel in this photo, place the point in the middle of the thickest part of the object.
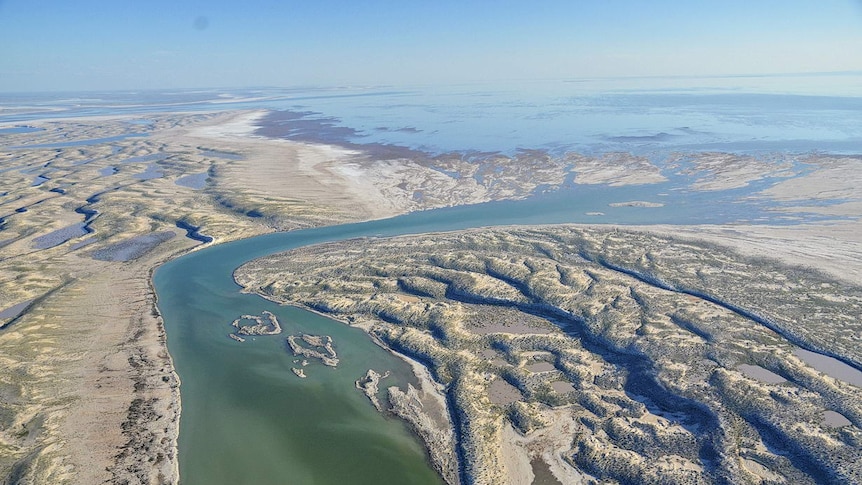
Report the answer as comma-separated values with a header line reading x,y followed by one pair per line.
x,y
246,418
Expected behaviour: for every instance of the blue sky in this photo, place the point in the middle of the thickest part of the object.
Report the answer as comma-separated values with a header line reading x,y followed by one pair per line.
x,y
59,45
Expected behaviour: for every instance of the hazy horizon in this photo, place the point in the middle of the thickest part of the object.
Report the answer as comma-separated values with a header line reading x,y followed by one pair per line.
x,y
92,45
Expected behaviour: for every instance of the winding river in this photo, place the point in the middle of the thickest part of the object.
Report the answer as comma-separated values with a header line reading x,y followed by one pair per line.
x,y
248,419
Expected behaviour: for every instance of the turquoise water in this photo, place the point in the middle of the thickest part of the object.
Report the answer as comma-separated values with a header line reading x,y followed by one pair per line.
x,y
246,417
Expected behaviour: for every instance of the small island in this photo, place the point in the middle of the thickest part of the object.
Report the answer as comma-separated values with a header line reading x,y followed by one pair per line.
x,y
315,347
260,327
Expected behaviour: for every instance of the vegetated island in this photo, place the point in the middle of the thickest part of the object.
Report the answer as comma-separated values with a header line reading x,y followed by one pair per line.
x,y
600,353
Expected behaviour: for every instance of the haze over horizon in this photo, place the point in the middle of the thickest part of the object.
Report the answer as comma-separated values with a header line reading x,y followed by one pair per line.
x,y
97,45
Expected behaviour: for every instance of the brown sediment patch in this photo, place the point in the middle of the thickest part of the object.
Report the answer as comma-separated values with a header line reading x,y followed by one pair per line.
x,y
562,387
832,419
761,374
489,353
514,457
508,320
540,367
14,310
542,473
502,393
307,127
830,366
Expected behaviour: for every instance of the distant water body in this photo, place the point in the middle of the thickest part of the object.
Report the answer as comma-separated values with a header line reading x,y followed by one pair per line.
x,y
648,116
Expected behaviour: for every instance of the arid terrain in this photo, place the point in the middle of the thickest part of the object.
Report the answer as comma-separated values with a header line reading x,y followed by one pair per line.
x,y
90,206
602,354
88,392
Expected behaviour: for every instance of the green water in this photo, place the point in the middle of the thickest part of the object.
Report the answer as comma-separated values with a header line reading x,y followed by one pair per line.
x,y
247,418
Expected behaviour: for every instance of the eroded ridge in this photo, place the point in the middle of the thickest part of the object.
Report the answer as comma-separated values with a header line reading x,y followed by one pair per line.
x,y
606,354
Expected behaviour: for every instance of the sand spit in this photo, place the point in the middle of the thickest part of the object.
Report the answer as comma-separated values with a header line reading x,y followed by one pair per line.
x,y
636,203
370,385
713,171
425,409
